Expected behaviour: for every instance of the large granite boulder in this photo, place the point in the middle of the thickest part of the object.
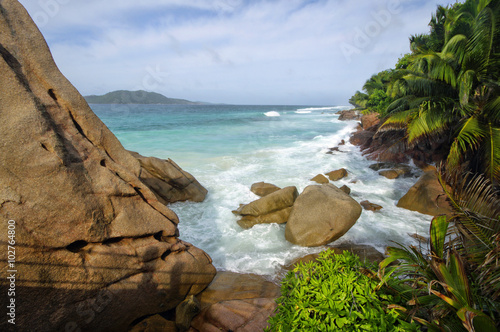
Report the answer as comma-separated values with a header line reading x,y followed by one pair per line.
x,y
168,181
272,208
426,196
236,302
320,215
95,249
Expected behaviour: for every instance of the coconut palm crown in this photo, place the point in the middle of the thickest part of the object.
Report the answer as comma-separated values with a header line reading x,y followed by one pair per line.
x,y
455,93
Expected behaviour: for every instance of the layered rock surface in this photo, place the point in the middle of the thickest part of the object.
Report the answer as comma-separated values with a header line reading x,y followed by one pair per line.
x,y
236,302
95,249
272,208
168,181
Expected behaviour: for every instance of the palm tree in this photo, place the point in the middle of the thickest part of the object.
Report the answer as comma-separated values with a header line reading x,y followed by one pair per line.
x,y
456,92
457,281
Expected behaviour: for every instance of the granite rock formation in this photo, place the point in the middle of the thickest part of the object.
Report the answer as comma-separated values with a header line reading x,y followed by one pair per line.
x,y
426,196
320,215
262,189
272,208
95,249
236,302
168,181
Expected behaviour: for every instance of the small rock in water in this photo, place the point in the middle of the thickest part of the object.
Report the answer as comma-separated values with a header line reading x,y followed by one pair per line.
x,y
370,206
346,189
320,178
391,173
338,174
263,189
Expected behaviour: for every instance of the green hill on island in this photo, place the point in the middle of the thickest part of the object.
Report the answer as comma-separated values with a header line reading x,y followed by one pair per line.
x,y
136,97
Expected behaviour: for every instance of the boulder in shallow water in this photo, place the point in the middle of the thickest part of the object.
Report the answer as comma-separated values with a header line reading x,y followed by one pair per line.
x,y
320,178
369,206
338,174
320,215
426,196
168,181
392,170
276,217
346,189
391,174
262,189
95,248
273,208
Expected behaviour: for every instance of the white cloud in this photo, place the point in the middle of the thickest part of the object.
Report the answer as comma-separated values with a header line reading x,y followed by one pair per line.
x,y
281,52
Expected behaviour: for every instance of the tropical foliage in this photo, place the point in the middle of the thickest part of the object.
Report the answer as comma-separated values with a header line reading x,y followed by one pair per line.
x,y
374,98
453,90
446,91
335,293
455,285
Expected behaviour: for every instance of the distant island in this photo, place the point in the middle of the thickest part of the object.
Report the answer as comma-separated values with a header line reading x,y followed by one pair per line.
x,y
137,97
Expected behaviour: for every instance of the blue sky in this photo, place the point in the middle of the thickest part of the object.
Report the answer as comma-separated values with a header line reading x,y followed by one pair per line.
x,y
301,52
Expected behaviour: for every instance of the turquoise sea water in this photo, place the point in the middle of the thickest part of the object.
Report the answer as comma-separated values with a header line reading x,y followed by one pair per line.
x,y
227,148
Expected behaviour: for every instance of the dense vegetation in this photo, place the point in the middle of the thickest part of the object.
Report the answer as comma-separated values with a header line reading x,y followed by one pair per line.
x,y
446,90
135,97
335,292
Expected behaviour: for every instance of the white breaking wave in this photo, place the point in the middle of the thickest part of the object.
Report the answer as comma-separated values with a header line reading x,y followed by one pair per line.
x,y
263,249
302,112
272,113
330,108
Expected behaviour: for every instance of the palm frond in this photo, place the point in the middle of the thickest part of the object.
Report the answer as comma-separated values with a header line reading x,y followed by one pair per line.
x,y
430,121
466,80
477,211
397,120
492,152
468,138
492,109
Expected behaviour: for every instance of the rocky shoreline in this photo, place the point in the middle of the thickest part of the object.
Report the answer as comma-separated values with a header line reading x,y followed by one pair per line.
x,y
276,205
96,243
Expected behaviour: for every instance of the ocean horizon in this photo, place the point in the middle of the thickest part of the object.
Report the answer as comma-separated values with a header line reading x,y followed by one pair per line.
x,y
227,148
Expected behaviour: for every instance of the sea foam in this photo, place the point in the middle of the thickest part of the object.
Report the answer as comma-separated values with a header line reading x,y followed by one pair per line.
x,y
228,148
272,113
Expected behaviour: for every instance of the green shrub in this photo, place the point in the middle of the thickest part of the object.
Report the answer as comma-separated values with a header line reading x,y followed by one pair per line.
x,y
335,293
